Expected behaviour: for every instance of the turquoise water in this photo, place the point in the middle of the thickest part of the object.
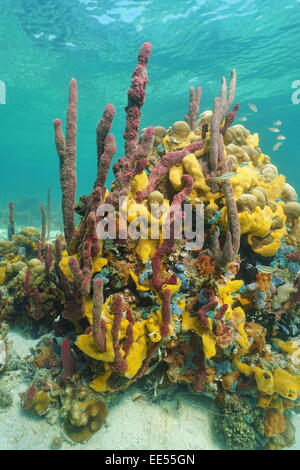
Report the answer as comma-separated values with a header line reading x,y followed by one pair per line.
x,y
46,42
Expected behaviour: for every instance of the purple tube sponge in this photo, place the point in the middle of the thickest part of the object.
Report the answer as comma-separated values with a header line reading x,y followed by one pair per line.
x,y
163,166
119,364
128,339
106,145
98,326
11,220
167,245
134,149
66,150
68,363
136,99
194,104
229,119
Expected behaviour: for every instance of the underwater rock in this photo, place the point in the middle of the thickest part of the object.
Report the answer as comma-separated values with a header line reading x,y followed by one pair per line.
x,y
85,415
285,439
274,423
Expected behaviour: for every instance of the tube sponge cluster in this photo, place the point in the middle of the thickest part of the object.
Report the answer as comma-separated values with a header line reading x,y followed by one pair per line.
x,y
224,318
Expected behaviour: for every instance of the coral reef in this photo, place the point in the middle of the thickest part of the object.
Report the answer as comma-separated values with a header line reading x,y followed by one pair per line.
x,y
222,317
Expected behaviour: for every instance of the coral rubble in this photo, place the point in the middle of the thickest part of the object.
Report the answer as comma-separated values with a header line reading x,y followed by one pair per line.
x,y
222,317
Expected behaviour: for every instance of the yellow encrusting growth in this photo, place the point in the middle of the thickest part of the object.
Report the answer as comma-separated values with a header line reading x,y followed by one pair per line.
x,y
97,264
279,382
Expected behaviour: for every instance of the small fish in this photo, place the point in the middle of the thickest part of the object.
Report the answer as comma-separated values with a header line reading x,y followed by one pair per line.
x,y
226,176
276,146
243,119
281,137
273,129
199,419
253,108
277,123
265,269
